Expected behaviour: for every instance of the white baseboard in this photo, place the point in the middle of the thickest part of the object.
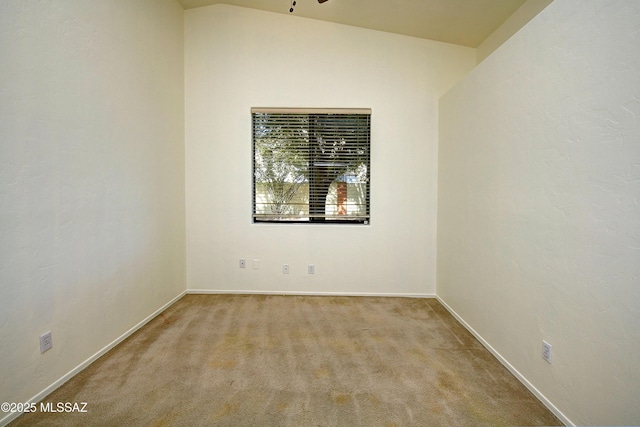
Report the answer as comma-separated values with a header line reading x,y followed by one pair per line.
x,y
324,294
44,393
546,402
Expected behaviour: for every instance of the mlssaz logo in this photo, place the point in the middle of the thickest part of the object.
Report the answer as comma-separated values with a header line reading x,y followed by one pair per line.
x,y
63,407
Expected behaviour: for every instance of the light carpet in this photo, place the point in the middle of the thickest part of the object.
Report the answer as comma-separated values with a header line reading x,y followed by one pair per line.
x,y
255,360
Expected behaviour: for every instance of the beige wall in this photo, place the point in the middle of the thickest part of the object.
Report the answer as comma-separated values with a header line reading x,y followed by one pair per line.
x,y
538,209
239,58
91,179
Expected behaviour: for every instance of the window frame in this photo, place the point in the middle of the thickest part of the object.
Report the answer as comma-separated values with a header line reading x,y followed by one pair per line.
x,y
359,136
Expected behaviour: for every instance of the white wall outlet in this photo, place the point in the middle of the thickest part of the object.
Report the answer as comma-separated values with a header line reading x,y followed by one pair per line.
x,y
311,269
256,264
546,351
45,342
285,269
243,263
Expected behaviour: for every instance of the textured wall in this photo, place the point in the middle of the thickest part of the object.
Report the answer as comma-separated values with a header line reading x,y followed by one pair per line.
x,y
539,205
239,58
91,178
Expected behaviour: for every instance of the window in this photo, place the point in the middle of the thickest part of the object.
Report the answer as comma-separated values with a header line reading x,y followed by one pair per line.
x,y
311,165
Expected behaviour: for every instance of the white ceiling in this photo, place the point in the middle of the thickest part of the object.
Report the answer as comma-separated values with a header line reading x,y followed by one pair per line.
x,y
462,22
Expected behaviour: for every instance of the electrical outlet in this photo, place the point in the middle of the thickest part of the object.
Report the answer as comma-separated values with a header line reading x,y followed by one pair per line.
x,y
285,269
546,351
311,269
45,342
243,263
256,264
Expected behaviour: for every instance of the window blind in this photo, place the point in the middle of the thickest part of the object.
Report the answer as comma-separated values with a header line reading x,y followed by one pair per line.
x,y
311,165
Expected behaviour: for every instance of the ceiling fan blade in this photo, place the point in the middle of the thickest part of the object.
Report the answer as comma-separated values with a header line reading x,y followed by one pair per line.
x,y
321,1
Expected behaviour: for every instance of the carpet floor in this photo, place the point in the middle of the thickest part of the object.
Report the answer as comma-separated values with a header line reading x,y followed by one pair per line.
x,y
255,360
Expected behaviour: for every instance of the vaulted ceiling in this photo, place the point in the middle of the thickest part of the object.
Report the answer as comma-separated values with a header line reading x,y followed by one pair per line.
x,y
462,22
